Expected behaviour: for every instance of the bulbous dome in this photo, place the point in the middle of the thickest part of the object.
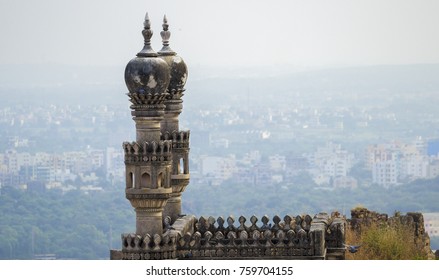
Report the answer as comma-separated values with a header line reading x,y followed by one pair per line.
x,y
178,68
178,71
147,73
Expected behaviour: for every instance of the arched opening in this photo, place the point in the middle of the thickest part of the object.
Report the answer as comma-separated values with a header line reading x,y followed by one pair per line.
x,y
130,180
145,181
160,180
181,166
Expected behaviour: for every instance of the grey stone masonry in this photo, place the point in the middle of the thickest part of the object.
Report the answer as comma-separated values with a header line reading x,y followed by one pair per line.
x,y
300,237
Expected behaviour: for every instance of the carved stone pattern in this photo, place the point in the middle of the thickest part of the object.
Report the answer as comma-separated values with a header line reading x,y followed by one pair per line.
x,y
148,152
179,138
147,98
290,237
162,196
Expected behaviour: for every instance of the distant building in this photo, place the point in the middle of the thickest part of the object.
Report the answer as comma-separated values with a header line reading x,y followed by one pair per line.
x,y
385,173
220,168
431,223
433,168
396,162
330,162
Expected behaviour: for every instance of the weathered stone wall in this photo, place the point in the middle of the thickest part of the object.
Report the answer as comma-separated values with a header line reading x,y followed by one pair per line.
x,y
362,217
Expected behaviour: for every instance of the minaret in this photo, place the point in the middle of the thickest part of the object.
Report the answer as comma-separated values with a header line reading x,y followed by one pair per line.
x,y
170,124
148,160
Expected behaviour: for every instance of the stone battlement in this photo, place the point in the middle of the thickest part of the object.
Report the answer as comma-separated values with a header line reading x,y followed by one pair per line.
x,y
148,152
180,139
299,237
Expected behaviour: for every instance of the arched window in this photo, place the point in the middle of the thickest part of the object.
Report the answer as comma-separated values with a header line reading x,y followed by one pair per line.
x,y
145,181
181,166
160,180
130,180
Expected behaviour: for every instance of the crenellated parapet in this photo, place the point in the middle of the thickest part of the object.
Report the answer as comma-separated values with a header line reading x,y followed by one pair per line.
x,y
299,237
147,247
219,238
180,169
180,139
137,153
157,246
293,237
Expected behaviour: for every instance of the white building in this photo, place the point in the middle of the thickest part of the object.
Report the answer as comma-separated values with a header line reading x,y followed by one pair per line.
x,y
330,162
415,167
431,223
385,173
220,168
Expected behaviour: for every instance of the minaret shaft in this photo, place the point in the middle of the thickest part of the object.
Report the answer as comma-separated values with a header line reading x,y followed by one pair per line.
x,y
148,160
147,129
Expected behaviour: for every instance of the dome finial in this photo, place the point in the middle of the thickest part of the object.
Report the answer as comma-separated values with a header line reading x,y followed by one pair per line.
x,y
165,23
147,22
166,34
147,34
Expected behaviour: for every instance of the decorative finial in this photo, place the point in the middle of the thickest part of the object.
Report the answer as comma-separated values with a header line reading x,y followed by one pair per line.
x,y
165,23
147,22
147,34
166,34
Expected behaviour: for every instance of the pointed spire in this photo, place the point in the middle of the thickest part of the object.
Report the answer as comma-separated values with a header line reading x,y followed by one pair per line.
x,y
165,23
166,34
147,22
147,50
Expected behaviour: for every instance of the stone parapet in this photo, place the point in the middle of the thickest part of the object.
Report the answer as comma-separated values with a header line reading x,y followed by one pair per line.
x,y
300,237
147,247
157,246
180,139
160,151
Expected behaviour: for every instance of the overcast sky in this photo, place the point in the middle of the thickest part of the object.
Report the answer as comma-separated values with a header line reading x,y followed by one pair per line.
x,y
224,33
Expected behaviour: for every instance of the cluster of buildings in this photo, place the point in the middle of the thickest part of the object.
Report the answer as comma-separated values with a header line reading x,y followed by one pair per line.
x,y
387,164
62,170
395,163
328,166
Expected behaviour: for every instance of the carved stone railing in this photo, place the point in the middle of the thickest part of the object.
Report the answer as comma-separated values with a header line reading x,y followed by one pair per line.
x,y
136,247
281,239
300,237
158,246
147,152
179,139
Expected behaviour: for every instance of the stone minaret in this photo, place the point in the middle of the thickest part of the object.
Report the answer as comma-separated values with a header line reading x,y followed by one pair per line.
x,y
170,125
148,160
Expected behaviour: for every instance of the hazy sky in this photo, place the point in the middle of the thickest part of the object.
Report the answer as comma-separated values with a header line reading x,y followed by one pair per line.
x,y
226,32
